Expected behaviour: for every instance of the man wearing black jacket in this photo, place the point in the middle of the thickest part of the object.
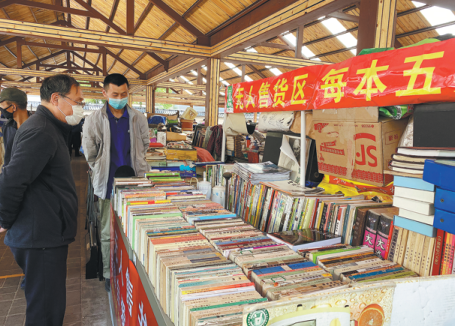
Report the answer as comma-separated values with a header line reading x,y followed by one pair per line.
x,y
38,202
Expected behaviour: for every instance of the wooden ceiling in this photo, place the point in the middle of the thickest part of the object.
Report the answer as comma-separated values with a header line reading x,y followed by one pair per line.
x,y
187,21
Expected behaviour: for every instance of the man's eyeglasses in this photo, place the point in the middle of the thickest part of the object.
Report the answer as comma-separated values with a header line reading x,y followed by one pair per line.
x,y
78,103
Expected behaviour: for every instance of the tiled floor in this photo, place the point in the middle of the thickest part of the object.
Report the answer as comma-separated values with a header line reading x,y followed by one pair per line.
x,y
87,301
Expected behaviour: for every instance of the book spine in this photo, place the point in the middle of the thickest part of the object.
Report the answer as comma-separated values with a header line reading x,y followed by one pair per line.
x,y
437,255
403,243
445,254
397,248
389,242
393,243
324,211
295,223
450,258
429,257
358,230
409,250
302,217
423,262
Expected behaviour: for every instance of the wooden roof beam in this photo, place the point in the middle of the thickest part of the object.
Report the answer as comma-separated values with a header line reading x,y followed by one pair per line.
x,y
115,60
181,67
63,47
271,60
426,29
131,67
81,36
86,61
276,45
257,27
95,14
44,74
333,52
143,16
202,39
89,12
343,16
165,63
68,68
135,61
256,71
43,59
447,4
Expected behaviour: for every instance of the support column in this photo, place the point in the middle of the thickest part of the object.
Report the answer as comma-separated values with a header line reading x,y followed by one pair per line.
x,y
130,100
213,92
104,63
38,80
298,45
19,53
377,24
150,99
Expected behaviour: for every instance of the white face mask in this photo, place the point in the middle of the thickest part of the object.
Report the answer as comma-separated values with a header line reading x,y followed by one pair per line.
x,y
76,117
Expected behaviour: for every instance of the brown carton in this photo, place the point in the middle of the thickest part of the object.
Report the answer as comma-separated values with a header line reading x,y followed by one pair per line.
x,y
366,114
356,150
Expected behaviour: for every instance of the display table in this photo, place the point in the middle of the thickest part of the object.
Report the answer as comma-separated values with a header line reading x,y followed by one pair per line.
x,y
134,299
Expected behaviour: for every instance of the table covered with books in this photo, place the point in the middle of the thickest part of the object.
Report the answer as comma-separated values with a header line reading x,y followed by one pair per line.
x,y
180,259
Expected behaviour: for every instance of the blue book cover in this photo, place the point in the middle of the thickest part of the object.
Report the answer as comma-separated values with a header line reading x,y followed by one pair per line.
x,y
441,175
415,226
277,269
387,271
414,183
444,221
445,200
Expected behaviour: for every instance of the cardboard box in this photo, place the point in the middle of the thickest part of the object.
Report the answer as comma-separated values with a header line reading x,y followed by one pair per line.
x,y
174,136
296,124
366,114
358,151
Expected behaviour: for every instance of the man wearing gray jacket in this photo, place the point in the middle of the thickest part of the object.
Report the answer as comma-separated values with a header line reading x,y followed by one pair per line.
x,y
114,136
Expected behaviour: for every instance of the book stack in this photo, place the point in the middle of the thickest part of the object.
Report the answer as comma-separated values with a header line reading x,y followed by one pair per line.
x,y
164,177
355,264
254,173
205,212
410,161
378,226
304,239
275,279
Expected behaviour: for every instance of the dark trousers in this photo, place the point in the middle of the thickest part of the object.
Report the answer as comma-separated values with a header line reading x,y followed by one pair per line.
x,y
75,143
45,288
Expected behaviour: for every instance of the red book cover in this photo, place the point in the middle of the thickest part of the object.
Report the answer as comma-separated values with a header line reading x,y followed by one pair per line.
x,y
451,246
437,256
390,240
315,214
445,254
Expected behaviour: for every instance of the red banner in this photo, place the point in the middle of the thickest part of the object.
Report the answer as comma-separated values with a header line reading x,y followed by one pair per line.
x,y
131,303
412,75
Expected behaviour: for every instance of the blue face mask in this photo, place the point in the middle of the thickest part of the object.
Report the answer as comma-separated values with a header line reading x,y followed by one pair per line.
x,y
118,104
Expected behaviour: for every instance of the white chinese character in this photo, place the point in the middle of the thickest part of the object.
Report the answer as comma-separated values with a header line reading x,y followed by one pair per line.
x,y
380,244
368,239
142,317
120,267
123,316
129,292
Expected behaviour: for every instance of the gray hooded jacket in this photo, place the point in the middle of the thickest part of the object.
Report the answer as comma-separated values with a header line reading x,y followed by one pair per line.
x,y
96,142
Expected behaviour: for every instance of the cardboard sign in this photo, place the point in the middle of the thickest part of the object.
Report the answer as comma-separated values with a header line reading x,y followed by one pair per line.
x,y
357,151
419,74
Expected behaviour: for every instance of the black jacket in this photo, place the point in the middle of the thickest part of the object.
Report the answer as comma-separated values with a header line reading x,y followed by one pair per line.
x,y
38,201
9,131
